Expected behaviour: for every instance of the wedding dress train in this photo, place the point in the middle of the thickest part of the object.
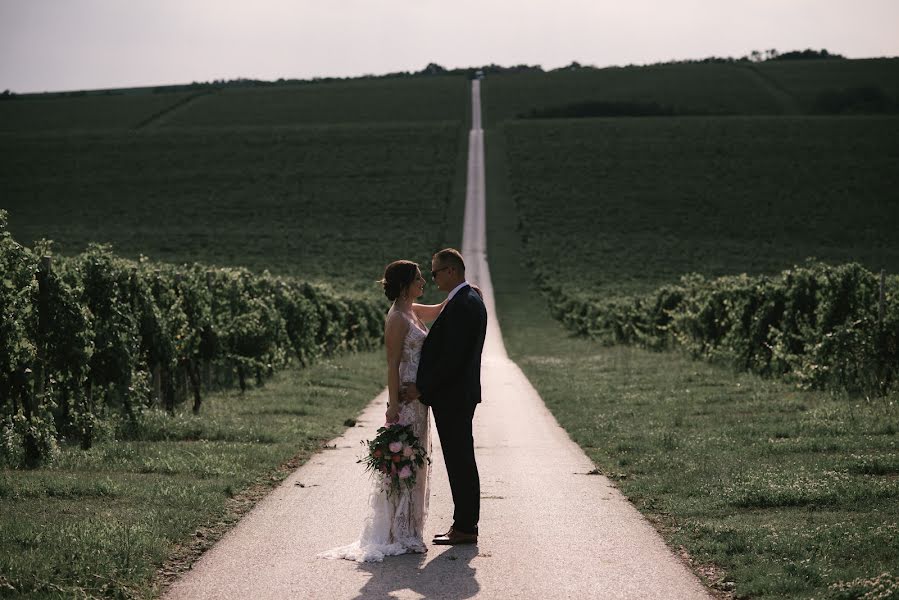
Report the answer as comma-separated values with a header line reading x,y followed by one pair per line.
x,y
395,523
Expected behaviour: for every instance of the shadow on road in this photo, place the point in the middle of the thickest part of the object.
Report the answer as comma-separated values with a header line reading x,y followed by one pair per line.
x,y
447,577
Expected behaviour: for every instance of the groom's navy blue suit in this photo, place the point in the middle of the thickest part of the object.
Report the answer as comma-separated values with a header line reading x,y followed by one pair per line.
x,y
449,380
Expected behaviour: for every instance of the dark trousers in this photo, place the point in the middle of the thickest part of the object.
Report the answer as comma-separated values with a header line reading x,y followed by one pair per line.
x,y
454,428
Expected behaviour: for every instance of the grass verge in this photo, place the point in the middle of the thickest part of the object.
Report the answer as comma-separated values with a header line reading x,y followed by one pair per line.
x,y
768,491
125,518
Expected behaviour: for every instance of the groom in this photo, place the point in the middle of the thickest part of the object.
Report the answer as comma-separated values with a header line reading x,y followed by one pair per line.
x,y
449,381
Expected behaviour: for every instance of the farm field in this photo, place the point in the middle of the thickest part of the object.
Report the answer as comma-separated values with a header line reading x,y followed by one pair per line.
x,y
611,207
805,80
328,182
770,492
356,101
715,89
768,88
330,203
95,112
326,203
314,103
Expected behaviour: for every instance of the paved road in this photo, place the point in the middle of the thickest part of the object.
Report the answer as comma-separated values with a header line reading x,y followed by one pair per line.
x,y
548,530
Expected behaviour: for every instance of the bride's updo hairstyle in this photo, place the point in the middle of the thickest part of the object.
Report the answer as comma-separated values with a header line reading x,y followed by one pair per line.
x,y
398,275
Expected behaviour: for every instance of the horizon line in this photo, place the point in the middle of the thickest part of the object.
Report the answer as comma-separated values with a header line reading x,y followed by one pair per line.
x,y
388,74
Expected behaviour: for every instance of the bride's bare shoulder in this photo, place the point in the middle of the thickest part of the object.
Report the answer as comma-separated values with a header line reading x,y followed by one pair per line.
x,y
396,321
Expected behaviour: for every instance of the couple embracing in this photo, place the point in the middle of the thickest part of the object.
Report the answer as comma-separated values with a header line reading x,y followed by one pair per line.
x,y
435,370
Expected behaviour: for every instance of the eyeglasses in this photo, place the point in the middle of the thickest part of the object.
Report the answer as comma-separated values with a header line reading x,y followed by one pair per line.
x,y
434,273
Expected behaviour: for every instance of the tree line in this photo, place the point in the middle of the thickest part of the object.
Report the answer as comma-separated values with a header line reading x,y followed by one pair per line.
x,y
430,70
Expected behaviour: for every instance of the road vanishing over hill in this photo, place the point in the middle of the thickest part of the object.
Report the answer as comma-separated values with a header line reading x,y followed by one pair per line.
x,y
549,528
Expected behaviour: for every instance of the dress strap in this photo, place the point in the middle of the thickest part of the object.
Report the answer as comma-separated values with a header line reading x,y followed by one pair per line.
x,y
414,322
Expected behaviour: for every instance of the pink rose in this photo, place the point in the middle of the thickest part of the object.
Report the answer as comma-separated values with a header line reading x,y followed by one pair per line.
x,y
405,472
396,446
407,451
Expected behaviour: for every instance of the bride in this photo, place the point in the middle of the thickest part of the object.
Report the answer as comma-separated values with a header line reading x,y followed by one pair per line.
x,y
395,522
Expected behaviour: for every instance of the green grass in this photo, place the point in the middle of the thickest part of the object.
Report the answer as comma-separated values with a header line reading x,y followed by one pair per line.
x,y
100,522
330,203
773,492
620,206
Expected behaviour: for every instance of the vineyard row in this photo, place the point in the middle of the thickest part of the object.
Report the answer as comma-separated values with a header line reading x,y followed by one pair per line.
x,y
94,335
821,326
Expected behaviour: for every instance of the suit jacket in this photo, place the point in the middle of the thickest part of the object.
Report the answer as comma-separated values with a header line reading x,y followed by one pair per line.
x,y
449,369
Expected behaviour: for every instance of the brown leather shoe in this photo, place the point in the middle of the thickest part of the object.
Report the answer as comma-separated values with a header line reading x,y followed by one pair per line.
x,y
454,537
439,535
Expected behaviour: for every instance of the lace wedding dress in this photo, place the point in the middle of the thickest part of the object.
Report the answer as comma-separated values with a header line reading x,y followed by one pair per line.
x,y
395,523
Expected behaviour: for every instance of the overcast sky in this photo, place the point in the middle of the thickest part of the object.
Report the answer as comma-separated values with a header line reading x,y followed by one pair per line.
x,y
50,45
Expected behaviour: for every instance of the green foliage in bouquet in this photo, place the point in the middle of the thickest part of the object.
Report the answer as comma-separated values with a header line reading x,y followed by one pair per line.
x,y
395,455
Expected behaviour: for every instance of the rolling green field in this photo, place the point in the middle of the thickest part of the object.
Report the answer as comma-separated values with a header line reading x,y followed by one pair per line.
x,y
770,492
399,100
325,181
773,492
376,178
361,101
804,80
712,89
769,88
90,113
620,206
767,491
326,203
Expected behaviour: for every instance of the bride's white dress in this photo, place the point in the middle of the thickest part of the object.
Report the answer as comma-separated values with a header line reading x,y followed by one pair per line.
x,y
395,523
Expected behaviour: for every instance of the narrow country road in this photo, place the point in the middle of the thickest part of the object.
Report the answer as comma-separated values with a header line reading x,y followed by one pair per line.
x,y
548,530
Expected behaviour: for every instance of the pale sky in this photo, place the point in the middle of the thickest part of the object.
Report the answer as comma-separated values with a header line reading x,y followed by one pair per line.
x,y
52,45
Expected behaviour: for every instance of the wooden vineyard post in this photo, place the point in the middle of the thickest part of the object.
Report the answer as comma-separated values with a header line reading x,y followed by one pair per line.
x,y
31,401
43,312
207,364
881,313
207,375
168,390
193,373
157,384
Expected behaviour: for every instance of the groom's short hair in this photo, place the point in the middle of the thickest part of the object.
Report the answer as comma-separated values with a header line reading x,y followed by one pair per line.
x,y
451,257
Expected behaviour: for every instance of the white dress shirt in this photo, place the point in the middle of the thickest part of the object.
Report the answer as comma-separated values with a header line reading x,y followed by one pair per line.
x,y
453,293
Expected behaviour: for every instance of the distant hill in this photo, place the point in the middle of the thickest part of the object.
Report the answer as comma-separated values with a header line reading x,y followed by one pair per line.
x,y
734,87
799,82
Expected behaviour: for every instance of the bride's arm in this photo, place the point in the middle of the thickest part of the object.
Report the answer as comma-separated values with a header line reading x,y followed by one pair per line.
x,y
427,312
395,330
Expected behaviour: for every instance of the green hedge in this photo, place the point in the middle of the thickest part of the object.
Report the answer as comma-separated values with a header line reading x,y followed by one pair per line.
x,y
818,325
96,334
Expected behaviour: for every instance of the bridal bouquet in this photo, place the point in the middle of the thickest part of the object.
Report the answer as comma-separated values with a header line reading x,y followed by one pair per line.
x,y
395,454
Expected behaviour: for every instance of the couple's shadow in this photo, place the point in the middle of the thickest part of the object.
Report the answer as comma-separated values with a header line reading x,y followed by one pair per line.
x,y
448,576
